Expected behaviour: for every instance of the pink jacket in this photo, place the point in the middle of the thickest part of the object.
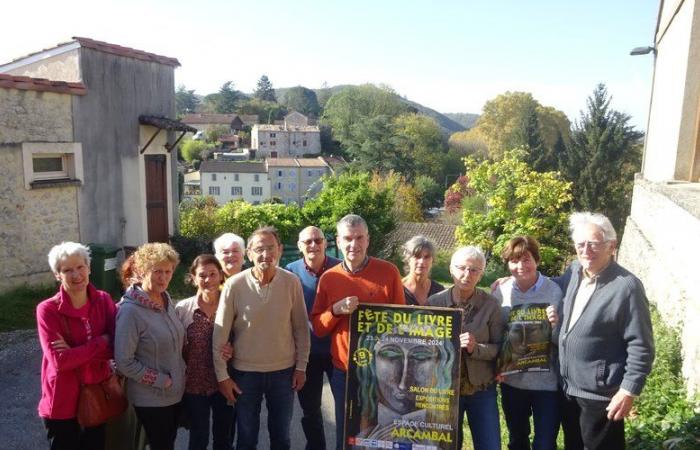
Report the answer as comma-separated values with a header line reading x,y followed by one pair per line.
x,y
88,359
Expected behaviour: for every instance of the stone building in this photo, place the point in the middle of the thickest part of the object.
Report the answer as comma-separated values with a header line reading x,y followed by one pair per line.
x,y
233,122
294,137
662,234
87,148
294,180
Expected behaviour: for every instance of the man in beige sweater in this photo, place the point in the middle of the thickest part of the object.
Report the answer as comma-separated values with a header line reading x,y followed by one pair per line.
x,y
263,309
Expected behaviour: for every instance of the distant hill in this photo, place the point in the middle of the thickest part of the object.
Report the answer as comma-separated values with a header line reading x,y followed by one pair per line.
x,y
467,120
449,123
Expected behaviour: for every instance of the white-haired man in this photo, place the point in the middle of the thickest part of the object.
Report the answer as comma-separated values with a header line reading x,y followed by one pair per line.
x,y
229,249
359,278
606,345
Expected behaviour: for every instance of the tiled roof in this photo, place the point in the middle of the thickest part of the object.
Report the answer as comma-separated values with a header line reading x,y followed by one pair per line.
x,y
223,119
442,235
165,123
41,84
128,52
232,167
296,162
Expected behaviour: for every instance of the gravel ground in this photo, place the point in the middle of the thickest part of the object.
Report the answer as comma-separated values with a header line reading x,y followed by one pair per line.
x,y
21,428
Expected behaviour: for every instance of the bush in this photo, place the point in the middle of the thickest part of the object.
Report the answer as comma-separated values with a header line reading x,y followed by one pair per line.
x,y
663,416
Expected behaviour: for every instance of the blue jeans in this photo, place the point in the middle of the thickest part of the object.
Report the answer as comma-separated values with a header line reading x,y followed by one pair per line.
x,y
519,405
481,409
276,386
310,400
338,389
199,408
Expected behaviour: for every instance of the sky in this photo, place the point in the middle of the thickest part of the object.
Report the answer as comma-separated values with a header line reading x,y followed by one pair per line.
x,y
449,55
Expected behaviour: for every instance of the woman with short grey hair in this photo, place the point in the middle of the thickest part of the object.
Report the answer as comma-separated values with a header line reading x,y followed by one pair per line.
x,y
418,257
480,339
76,332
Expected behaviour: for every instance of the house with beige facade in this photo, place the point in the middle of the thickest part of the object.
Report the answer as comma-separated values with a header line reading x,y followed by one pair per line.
x,y
294,180
235,180
86,137
294,137
662,235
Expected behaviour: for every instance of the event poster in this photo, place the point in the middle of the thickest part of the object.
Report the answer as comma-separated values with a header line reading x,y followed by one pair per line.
x,y
403,378
527,342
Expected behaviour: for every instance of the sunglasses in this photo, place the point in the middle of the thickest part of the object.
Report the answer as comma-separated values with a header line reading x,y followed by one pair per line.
x,y
317,241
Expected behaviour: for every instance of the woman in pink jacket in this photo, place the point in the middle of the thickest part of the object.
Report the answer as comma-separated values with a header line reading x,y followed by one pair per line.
x,y
76,331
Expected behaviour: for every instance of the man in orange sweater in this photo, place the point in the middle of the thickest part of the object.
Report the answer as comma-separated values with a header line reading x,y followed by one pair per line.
x,y
358,279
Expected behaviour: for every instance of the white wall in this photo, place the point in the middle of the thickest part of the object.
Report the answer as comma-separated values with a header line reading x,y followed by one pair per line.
x,y
226,180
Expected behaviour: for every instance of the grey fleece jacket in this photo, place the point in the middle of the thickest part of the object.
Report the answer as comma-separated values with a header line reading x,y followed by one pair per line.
x,y
148,349
611,345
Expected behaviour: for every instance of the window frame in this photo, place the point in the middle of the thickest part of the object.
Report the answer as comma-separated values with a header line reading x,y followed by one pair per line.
x,y
71,154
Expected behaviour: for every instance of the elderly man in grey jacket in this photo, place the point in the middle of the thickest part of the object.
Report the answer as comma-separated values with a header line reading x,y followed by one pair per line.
x,y
606,346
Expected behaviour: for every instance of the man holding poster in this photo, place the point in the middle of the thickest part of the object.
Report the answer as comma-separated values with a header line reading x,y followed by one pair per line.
x,y
358,279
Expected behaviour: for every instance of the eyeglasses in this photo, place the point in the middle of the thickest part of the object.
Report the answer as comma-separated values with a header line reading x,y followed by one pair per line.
x,y
594,245
262,249
471,270
317,241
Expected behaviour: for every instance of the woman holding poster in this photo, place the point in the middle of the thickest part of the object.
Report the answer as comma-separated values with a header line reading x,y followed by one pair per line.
x,y
480,339
529,385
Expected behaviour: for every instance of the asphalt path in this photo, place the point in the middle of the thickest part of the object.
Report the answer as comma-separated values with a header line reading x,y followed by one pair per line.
x,y
20,389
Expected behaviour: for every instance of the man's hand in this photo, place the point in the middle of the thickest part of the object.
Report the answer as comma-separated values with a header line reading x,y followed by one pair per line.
x,y
298,380
345,306
497,283
620,406
226,351
552,315
229,389
467,341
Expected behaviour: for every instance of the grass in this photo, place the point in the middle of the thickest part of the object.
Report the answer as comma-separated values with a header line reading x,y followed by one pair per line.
x,y
17,307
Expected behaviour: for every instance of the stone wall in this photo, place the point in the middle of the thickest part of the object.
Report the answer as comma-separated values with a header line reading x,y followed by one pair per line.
x,y
32,220
660,246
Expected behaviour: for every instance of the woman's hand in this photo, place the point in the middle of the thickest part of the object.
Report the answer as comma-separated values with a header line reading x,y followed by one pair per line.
x,y
226,351
467,341
168,383
59,344
552,315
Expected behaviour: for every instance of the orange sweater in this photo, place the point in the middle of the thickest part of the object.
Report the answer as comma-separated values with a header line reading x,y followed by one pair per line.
x,y
378,282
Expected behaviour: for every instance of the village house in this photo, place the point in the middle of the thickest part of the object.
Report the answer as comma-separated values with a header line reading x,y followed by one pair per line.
x,y
86,134
294,180
662,235
233,180
293,137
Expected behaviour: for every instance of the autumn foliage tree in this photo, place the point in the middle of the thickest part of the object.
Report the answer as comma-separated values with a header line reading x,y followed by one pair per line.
x,y
516,200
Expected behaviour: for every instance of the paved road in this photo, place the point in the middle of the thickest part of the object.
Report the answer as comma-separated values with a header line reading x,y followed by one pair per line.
x,y
21,428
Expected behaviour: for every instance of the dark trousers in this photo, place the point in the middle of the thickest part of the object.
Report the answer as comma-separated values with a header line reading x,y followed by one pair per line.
x,y
310,400
586,426
199,408
66,434
519,405
160,424
338,389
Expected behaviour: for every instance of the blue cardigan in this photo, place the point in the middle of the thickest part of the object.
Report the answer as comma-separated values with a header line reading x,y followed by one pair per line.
x,y
611,345
309,281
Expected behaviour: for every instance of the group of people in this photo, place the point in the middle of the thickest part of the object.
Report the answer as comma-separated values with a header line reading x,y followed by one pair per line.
x,y
270,333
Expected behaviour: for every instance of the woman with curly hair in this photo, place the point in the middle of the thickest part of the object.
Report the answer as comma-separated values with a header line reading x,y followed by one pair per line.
x,y
148,344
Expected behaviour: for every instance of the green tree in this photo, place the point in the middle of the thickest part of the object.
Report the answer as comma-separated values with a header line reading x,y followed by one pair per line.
x,y
429,191
355,103
303,100
351,193
228,99
185,101
323,94
604,154
243,218
511,199
407,207
264,90
213,133
209,103
372,147
192,150
418,138
266,111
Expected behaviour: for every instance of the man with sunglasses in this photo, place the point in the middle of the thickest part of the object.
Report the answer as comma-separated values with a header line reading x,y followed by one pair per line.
x,y
312,245
606,345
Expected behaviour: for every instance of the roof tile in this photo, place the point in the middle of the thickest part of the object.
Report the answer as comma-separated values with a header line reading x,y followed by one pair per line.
x,y
40,84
